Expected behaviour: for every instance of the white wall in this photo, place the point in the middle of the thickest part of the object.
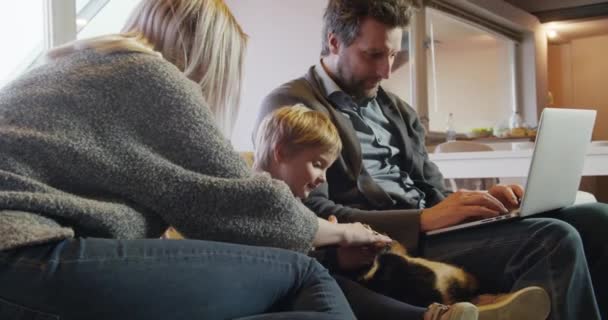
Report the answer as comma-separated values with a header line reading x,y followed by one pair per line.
x,y
284,40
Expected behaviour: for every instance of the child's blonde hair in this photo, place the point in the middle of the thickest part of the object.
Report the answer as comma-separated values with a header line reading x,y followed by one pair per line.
x,y
293,128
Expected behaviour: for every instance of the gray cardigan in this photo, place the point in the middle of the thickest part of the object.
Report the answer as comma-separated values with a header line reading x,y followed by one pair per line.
x,y
121,146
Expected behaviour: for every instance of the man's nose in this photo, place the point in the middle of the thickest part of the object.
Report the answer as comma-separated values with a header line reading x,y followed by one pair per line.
x,y
384,68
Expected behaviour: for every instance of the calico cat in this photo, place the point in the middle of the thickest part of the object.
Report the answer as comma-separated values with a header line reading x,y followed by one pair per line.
x,y
417,281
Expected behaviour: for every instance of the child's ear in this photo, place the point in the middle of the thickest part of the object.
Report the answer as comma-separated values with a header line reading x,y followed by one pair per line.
x,y
278,154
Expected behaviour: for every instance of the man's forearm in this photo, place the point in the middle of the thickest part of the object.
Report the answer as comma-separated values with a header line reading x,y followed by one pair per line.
x,y
400,225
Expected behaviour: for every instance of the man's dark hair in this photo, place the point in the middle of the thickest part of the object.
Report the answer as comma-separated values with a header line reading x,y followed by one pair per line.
x,y
343,17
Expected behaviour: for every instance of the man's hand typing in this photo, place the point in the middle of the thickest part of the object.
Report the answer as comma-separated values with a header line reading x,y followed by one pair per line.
x,y
460,206
509,195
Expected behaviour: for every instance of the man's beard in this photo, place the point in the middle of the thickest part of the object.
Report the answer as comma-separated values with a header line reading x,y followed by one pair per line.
x,y
355,88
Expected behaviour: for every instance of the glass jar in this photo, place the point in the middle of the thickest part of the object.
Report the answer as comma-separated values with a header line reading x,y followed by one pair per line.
x,y
513,127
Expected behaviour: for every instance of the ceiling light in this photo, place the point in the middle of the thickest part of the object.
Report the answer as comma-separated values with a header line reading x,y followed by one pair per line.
x,y
551,25
552,34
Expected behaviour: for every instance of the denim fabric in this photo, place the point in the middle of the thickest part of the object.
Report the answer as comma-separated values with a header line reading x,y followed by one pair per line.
x,y
164,279
533,251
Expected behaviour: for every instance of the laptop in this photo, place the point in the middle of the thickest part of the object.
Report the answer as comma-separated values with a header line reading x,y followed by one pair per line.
x,y
562,141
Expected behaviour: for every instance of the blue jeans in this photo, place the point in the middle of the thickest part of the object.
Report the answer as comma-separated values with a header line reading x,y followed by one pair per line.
x,y
164,279
544,251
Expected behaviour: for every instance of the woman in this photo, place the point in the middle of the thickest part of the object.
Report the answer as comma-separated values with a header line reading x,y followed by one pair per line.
x,y
112,140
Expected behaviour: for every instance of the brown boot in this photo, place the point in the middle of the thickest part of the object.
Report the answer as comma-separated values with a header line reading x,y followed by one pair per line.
x,y
531,303
457,311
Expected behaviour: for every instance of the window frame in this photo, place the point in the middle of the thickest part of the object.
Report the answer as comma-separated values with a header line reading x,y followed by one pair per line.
x,y
420,63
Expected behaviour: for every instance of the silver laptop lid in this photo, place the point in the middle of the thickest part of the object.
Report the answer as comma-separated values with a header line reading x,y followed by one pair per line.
x,y
562,141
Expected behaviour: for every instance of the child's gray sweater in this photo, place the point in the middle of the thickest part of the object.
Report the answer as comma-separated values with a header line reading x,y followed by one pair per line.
x,y
122,145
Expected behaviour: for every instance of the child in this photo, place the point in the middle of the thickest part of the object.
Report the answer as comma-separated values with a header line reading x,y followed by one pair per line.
x,y
298,145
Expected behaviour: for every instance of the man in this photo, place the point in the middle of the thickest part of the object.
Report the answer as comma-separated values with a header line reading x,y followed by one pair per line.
x,y
384,177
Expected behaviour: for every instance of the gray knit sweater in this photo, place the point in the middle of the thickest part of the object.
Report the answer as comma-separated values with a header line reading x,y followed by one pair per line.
x,y
121,146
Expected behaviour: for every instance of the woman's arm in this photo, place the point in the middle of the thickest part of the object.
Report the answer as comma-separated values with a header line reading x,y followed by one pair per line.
x,y
157,146
122,145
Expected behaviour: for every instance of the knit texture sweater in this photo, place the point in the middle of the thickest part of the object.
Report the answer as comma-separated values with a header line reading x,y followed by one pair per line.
x,y
122,145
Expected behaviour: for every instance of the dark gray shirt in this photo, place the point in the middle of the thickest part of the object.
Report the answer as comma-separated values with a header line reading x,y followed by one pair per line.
x,y
379,146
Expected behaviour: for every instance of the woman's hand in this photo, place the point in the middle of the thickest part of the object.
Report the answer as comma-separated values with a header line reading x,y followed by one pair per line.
x,y
355,234
347,234
357,231
353,257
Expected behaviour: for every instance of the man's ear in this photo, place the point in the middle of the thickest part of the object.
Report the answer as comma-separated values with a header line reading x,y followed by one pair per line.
x,y
333,42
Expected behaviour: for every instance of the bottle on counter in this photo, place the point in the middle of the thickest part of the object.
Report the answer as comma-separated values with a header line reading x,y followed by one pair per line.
x,y
450,130
517,127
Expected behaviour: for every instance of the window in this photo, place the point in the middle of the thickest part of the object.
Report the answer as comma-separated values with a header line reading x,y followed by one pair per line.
x,y
94,18
22,32
470,73
99,17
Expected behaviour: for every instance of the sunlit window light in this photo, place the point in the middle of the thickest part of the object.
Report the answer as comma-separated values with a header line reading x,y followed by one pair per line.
x,y
80,22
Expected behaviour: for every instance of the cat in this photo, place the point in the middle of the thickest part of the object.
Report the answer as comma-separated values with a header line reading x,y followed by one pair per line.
x,y
417,281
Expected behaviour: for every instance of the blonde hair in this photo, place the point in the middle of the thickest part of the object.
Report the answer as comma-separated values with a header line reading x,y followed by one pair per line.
x,y
293,128
201,37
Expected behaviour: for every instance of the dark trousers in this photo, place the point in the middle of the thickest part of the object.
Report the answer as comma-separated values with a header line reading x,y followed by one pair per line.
x,y
591,221
164,279
370,305
565,251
